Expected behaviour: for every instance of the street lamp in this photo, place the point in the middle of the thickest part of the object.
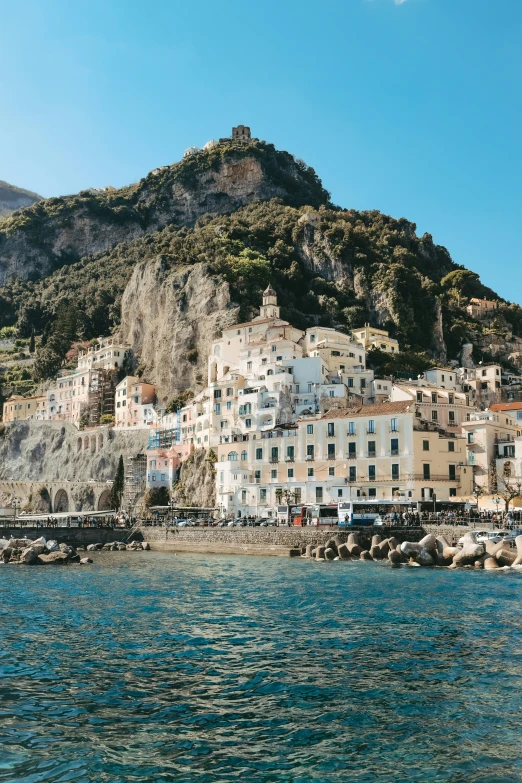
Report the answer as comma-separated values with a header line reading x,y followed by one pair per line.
x,y
15,508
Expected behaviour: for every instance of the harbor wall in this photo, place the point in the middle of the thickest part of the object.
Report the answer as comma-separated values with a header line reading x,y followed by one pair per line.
x,y
75,536
276,542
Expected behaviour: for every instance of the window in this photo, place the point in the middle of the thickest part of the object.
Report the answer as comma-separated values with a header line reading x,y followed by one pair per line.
x,y
350,383
331,471
352,473
371,472
331,393
372,492
312,338
232,456
217,394
484,373
453,492
319,494
249,365
451,417
259,453
331,430
310,451
264,361
371,426
452,472
309,429
426,472
257,475
394,446
339,493
352,450
419,396
290,472
309,388
217,408
371,448
262,495
274,348
363,383
484,386
434,397
442,377
434,416
243,456
394,427
274,454
471,437
351,428
248,423
310,472
451,399
331,451
395,472
273,474
451,445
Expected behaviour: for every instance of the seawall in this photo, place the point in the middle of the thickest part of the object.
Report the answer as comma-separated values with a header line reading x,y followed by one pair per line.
x,y
275,542
75,536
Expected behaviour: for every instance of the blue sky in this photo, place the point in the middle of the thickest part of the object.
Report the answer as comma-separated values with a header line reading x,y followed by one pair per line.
x,y
412,108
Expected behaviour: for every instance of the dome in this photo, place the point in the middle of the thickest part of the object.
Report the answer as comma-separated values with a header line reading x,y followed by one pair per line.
x,y
269,291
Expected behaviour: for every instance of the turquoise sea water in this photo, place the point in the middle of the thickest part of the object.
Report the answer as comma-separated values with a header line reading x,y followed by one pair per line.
x,y
158,667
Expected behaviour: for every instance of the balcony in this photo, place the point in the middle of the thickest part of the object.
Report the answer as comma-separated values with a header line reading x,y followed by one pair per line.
x,y
370,432
351,479
273,460
310,457
289,459
394,452
371,454
351,455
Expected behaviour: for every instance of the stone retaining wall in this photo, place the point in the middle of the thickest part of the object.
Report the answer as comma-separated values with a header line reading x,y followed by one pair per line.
x,y
74,536
280,541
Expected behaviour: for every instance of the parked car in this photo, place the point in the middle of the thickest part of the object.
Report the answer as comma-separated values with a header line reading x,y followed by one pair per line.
x,y
481,536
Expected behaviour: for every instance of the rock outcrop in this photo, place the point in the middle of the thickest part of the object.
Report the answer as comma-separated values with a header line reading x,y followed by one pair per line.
x,y
196,485
170,317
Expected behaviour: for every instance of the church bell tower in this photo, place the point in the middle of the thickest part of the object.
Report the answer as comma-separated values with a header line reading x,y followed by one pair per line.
x,y
270,307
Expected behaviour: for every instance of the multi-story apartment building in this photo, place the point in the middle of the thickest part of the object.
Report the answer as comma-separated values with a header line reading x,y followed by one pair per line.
x,y
107,353
483,384
375,451
18,408
490,435
442,407
134,404
370,337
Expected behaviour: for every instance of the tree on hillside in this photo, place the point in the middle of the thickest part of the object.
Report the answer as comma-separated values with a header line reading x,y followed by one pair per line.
x,y
461,282
65,330
117,486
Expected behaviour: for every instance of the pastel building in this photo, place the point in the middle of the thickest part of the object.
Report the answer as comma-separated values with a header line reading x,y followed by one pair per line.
x,y
134,404
19,408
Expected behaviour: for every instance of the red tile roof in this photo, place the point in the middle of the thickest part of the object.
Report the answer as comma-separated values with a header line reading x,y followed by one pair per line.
x,y
506,406
380,409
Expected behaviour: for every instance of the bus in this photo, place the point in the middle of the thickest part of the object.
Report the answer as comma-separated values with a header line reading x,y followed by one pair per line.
x,y
365,513
309,515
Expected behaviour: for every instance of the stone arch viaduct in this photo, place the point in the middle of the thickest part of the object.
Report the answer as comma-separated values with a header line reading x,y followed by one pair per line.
x,y
52,497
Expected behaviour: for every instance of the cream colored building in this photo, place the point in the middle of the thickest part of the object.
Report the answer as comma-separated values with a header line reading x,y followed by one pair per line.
x,y
490,435
483,384
444,408
479,307
18,408
375,451
371,337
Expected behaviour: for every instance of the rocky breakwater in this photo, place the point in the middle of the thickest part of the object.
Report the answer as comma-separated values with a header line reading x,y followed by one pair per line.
x,y
119,546
25,551
430,551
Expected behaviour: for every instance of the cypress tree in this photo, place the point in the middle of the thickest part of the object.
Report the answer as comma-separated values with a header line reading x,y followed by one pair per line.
x,y
117,486
32,342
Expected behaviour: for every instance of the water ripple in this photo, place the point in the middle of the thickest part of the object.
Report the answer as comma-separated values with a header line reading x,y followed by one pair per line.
x,y
189,668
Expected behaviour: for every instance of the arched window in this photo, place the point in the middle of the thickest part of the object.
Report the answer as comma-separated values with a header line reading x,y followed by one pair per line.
x,y
243,455
270,372
232,456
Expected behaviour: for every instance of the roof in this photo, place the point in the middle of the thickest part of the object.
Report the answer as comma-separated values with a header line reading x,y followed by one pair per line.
x,y
506,406
380,409
255,323
269,291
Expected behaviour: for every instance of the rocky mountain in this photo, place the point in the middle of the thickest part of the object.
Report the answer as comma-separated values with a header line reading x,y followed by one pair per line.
x,y
59,231
13,198
188,250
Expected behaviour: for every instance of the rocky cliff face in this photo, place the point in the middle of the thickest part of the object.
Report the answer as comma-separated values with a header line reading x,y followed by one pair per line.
x,y
170,318
197,486
59,231
55,451
13,198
